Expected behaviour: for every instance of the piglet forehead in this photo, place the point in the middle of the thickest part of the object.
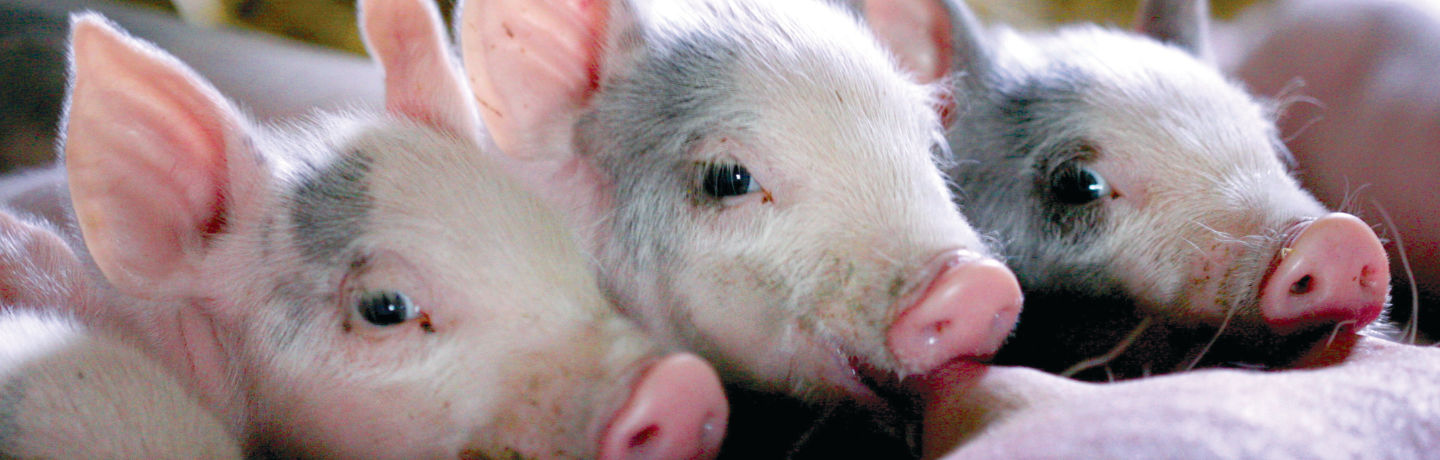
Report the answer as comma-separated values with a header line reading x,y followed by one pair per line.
x,y
463,222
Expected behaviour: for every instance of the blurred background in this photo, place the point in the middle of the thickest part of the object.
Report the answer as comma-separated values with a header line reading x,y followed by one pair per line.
x,y
330,22
31,47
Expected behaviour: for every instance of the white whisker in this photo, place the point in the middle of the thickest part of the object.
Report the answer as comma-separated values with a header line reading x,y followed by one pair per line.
x,y
1412,328
1230,313
1112,354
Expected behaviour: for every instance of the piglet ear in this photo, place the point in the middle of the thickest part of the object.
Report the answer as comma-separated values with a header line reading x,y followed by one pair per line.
x,y
930,37
146,147
534,65
1182,23
422,78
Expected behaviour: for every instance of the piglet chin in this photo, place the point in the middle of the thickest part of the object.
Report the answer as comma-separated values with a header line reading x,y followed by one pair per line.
x,y
1330,352
956,375
887,391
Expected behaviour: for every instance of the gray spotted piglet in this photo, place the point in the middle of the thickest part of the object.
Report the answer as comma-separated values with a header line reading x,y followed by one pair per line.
x,y
756,180
1143,199
351,284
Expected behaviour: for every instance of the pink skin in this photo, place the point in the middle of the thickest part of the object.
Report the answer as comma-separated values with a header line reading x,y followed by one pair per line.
x,y
1366,398
675,411
932,331
1333,270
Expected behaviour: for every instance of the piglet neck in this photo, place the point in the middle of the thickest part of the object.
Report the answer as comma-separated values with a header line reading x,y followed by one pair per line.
x,y
199,355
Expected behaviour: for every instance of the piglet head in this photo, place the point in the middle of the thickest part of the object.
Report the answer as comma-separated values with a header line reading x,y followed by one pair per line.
x,y
757,180
1129,179
364,285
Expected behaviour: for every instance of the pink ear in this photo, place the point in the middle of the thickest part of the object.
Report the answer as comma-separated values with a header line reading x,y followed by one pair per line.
x,y
1183,23
422,80
533,65
918,32
146,144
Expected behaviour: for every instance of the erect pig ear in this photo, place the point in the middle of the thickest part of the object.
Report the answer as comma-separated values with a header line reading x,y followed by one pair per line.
x,y
534,65
422,79
1182,23
146,147
931,38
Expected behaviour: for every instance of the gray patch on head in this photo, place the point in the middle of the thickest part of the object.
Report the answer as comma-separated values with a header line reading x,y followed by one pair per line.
x,y
330,207
1011,133
641,131
296,294
11,395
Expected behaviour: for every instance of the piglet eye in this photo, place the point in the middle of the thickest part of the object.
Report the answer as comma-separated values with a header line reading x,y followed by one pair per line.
x,y
722,180
385,308
1075,184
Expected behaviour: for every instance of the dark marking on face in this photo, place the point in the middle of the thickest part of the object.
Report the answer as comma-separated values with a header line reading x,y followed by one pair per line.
x,y
1036,110
295,295
1074,223
330,207
642,132
896,285
1012,137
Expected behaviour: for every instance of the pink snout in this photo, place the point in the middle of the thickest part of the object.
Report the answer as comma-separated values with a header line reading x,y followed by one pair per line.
x,y
1334,271
967,310
677,410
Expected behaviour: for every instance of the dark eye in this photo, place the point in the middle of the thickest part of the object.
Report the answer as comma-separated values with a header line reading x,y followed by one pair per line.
x,y
1075,184
722,180
385,308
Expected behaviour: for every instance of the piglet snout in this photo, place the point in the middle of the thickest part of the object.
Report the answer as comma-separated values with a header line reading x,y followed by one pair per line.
x,y
677,410
967,308
1333,271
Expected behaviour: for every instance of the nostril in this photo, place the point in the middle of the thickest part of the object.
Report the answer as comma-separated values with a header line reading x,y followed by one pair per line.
x,y
644,436
1303,286
937,329
1367,277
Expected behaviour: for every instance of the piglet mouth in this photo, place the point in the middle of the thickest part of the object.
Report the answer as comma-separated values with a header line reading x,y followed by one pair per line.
x,y
883,384
876,387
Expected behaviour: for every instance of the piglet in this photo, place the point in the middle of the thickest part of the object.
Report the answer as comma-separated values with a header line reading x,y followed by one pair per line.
x,y
351,284
756,181
70,394
1143,200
